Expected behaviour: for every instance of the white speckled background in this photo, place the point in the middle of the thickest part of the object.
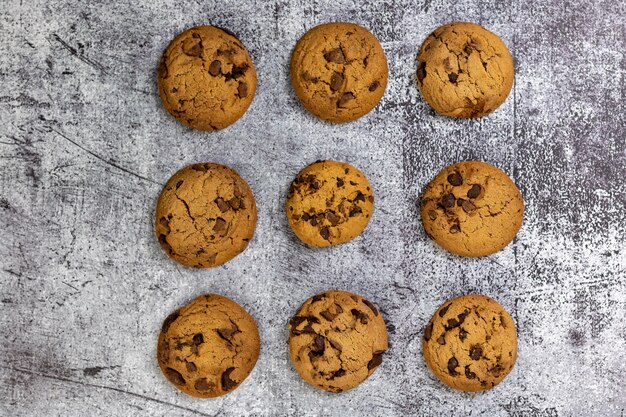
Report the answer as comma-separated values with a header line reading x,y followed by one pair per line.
x,y
85,147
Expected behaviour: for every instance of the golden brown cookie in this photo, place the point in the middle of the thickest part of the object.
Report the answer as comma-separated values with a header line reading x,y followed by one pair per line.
x,y
472,209
470,343
339,71
207,348
336,340
464,70
205,216
206,78
329,202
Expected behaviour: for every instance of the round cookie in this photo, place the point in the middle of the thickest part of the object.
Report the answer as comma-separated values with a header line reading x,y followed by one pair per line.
x,y
470,343
472,209
339,71
464,70
207,348
205,216
336,340
329,202
206,78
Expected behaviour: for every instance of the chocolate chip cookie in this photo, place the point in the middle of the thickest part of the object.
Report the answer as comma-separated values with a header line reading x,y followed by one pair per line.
x,y
464,70
206,78
207,348
329,203
337,340
472,209
339,71
470,343
205,216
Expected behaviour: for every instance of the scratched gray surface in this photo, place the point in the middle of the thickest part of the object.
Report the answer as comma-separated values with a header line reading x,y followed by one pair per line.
x,y
85,147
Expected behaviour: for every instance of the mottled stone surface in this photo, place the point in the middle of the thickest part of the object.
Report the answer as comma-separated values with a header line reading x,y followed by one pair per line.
x,y
85,147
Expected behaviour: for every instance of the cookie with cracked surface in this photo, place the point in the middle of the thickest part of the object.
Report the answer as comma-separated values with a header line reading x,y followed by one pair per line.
x,y
464,70
472,209
205,216
337,340
206,78
339,71
470,343
329,203
208,347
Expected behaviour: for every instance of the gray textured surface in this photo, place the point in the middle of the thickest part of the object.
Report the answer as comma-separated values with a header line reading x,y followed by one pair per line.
x,y
85,146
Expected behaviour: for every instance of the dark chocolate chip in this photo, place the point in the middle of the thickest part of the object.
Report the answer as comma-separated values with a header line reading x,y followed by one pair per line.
x,y
318,297
198,339
191,367
325,232
371,306
476,352
359,197
338,373
201,384
305,216
421,71
336,55
335,344
227,383
442,339
448,200
215,68
376,360
468,373
459,201
428,332
195,51
345,98
169,320
318,345
359,315
340,182
227,334
355,210
468,206
463,334
444,310
174,376
455,179
332,218
221,204
336,81
455,228
373,86
236,72
452,365
242,90
220,224
474,191
453,77
235,203
309,78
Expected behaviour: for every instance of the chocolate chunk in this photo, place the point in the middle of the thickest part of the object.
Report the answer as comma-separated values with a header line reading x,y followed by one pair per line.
x,y
355,210
345,98
376,360
236,72
444,310
432,214
455,228
227,334
359,197
336,55
221,204
325,232
474,191
371,306
340,182
338,373
194,51
455,179
468,373
242,90
332,218
191,367
453,323
428,332
215,68
421,71
220,224
468,206
336,81
373,86
460,201
201,384
448,200
463,334
360,316
305,217
198,339
453,77
452,365
318,297
235,203
227,383
476,352
335,344
174,376
318,345
328,315
442,339
169,320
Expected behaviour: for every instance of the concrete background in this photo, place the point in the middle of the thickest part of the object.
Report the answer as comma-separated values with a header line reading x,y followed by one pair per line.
x,y
85,147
